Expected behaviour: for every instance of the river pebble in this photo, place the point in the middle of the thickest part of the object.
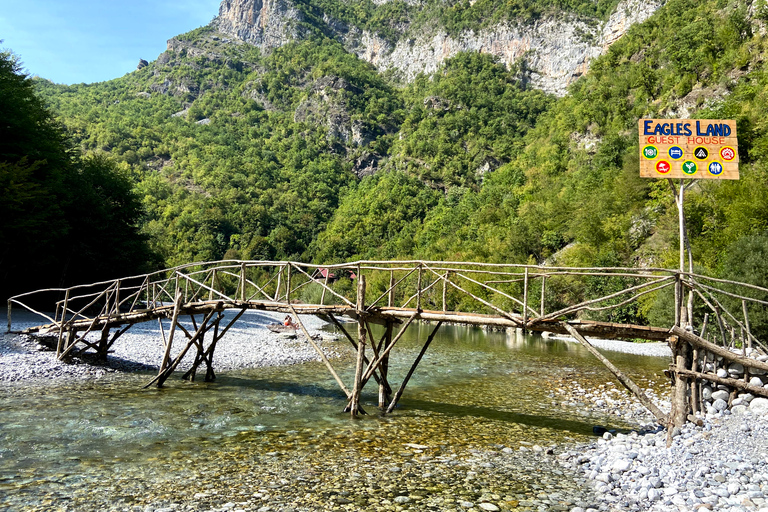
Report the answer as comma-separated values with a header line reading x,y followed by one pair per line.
x,y
720,465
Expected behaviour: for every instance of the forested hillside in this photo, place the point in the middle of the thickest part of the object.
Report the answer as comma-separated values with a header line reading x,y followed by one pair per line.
x,y
309,153
66,218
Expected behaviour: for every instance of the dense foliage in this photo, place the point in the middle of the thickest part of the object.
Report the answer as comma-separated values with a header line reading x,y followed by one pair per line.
x,y
65,219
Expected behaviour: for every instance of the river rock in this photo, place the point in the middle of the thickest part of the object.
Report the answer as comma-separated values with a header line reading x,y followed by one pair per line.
x,y
720,405
759,406
621,465
720,395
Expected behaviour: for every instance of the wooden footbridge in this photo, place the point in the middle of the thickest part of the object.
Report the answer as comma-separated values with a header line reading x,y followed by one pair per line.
x,y
582,302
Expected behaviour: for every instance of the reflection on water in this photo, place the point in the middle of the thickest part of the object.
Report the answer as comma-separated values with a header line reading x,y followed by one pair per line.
x,y
75,446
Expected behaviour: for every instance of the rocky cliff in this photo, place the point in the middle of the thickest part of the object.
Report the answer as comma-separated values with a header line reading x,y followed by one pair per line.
x,y
556,49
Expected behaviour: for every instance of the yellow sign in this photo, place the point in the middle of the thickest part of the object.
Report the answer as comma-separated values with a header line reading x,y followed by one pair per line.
x,y
688,148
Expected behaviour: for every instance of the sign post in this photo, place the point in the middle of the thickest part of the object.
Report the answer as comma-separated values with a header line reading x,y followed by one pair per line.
x,y
687,149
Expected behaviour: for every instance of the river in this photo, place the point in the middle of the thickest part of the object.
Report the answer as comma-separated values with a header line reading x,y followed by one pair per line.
x,y
466,435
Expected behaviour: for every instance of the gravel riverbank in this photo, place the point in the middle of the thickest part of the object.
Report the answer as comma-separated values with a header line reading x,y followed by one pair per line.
x,y
248,344
721,465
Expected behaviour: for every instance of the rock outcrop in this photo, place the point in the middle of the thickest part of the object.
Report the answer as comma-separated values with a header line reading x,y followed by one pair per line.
x,y
556,49
267,24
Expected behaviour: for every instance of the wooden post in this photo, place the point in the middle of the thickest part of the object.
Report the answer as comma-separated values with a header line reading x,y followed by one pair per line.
x,y
722,327
704,325
174,321
288,285
525,300
325,286
242,282
117,297
743,307
680,398
279,282
678,301
384,390
101,353
694,385
62,324
418,292
445,292
391,293
213,285
361,340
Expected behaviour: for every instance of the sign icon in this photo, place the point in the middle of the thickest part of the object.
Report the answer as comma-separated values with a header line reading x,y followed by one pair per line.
x,y
701,153
690,168
675,152
715,168
663,167
727,153
650,152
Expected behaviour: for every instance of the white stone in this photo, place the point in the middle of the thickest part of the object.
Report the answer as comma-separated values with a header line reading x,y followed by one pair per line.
x,y
738,409
489,506
720,395
735,369
759,406
621,465
722,373
756,381
720,405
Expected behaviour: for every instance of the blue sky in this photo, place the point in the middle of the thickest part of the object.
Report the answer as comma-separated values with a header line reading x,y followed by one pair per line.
x,y
73,41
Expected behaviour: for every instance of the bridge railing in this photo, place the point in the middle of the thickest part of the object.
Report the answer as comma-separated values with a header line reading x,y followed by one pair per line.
x,y
524,295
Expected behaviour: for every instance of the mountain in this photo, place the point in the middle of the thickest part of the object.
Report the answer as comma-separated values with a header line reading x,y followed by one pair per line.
x,y
317,130
412,37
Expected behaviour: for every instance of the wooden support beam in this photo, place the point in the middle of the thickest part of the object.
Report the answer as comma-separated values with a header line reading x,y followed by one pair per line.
x,y
415,364
174,321
626,381
697,341
62,326
354,406
525,301
375,364
736,383
680,395
171,367
385,391
320,353
354,344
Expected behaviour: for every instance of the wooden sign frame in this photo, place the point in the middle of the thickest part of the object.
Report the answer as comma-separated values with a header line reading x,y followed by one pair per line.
x,y
688,148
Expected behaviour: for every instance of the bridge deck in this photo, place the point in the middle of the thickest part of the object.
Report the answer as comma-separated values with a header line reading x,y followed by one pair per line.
x,y
594,329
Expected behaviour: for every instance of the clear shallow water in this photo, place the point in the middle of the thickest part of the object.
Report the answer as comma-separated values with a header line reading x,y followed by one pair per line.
x,y
109,444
